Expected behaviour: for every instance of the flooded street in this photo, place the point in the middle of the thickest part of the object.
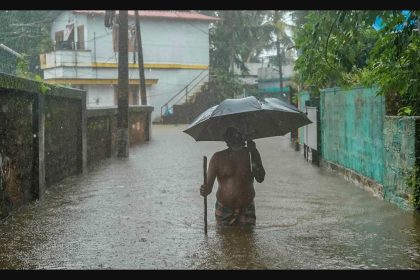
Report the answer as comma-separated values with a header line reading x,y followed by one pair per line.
x,y
146,212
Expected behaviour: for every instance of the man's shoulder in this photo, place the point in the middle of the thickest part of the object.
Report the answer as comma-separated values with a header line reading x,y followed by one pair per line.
x,y
226,152
221,153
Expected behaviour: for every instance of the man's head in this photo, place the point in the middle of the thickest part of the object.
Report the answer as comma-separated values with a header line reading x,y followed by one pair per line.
x,y
234,138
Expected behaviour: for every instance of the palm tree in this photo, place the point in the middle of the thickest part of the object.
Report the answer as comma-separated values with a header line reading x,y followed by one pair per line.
x,y
238,38
299,17
257,35
283,42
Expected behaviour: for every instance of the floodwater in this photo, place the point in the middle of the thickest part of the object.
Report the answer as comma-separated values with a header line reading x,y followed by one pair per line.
x,y
145,212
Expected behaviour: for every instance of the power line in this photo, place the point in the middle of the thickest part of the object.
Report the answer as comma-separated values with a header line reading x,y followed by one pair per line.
x,y
203,31
20,35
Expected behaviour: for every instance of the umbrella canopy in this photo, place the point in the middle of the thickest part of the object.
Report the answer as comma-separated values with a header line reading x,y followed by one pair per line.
x,y
254,118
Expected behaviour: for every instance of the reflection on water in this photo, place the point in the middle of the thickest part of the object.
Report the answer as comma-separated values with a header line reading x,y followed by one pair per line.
x,y
415,233
146,213
238,248
228,248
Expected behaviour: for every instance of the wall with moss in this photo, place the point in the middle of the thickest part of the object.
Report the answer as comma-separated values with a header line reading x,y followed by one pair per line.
x,y
401,155
15,149
99,127
46,134
63,139
358,137
22,147
102,130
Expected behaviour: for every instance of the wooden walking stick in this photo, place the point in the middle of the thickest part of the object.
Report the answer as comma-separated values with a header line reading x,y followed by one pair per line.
x,y
205,197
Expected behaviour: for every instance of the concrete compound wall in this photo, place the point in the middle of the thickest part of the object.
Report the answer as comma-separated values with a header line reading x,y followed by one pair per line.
x,y
401,154
102,130
374,151
352,130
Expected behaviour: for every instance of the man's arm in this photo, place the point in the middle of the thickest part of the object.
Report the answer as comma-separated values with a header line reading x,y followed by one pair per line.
x,y
206,189
257,167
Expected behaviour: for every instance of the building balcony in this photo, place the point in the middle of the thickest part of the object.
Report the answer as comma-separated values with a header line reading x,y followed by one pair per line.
x,y
66,57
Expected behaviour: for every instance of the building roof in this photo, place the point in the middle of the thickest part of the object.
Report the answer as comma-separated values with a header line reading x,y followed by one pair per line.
x,y
186,15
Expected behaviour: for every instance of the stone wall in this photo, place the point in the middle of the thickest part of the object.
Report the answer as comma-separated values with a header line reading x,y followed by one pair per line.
x,y
46,134
99,134
30,141
15,149
63,138
102,130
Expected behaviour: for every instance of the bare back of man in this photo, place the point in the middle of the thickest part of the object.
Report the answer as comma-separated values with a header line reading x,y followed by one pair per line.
x,y
233,172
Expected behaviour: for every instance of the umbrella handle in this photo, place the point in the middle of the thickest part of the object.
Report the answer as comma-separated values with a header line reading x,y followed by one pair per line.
x,y
248,132
247,137
250,164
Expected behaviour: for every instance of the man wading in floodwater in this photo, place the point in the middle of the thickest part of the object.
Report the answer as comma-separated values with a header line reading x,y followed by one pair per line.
x,y
232,168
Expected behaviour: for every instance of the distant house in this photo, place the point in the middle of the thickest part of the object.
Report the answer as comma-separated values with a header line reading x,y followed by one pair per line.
x,y
250,77
175,51
269,81
263,79
267,77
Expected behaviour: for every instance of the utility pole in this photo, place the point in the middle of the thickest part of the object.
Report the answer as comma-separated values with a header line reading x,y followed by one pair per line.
x,y
276,19
122,114
141,63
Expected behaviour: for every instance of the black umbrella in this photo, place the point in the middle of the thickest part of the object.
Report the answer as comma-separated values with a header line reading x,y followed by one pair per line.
x,y
255,119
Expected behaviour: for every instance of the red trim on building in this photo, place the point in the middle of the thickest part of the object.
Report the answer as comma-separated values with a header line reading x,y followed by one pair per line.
x,y
158,14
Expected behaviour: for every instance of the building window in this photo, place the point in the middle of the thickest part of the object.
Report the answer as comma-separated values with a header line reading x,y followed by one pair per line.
x,y
59,37
69,32
64,39
80,37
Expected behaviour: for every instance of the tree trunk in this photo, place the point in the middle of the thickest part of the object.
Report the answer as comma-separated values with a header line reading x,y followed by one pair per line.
x,y
279,65
276,18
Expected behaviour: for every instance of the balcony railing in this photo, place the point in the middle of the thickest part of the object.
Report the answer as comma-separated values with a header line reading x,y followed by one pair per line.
x,y
69,45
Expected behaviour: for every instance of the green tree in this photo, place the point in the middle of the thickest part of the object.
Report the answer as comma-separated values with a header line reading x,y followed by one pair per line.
x,y
394,64
239,37
299,18
27,32
282,42
341,48
333,44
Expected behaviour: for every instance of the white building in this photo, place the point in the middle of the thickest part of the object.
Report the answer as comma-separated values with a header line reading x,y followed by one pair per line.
x,y
250,78
175,52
